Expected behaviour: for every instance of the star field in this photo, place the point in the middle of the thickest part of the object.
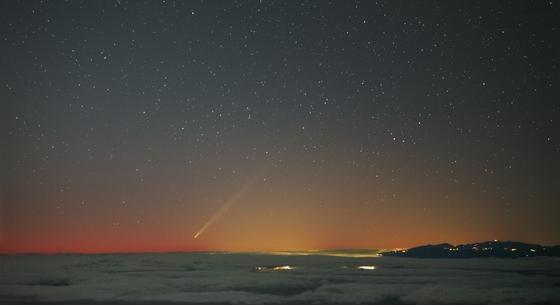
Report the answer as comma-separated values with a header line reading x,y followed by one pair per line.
x,y
364,124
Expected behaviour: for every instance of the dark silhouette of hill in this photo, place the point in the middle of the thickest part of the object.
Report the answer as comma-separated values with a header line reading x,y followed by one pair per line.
x,y
502,249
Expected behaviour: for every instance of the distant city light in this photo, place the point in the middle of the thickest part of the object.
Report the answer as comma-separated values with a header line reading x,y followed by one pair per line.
x,y
275,268
287,267
366,267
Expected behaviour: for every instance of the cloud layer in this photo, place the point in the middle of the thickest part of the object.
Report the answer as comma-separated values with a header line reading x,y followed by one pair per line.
x,y
235,279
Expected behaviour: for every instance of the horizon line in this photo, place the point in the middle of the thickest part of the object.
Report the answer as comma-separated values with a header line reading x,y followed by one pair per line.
x,y
278,252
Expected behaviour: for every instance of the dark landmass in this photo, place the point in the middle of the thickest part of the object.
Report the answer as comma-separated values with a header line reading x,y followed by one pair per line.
x,y
502,249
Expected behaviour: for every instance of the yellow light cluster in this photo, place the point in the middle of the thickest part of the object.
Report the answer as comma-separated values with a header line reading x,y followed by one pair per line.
x,y
366,267
275,268
287,267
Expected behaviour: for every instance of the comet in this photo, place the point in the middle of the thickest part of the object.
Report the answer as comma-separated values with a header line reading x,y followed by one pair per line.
x,y
232,200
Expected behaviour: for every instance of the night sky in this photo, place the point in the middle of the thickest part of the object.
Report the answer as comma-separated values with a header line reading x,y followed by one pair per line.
x,y
129,125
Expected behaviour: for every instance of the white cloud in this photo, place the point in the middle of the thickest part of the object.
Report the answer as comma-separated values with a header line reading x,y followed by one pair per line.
x,y
233,279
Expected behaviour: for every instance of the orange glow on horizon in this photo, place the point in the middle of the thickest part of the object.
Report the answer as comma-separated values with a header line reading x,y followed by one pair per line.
x,y
268,219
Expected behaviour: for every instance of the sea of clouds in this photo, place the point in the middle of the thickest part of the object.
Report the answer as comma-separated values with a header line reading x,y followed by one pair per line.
x,y
221,278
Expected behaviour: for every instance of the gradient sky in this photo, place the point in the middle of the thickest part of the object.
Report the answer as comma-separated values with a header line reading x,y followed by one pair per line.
x,y
128,125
